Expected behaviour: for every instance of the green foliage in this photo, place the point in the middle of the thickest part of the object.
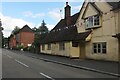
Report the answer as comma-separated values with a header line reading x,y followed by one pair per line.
x,y
34,29
16,29
41,29
20,46
40,33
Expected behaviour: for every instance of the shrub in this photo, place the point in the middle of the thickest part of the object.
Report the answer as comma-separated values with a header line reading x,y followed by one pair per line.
x,y
20,47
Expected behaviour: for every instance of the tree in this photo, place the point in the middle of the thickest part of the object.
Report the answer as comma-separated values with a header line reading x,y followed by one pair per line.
x,y
39,35
43,28
1,34
16,29
34,29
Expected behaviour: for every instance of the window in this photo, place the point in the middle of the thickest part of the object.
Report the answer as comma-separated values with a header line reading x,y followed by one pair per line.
x,y
49,46
43,47
61,46
99,47
92,21
96,20
75,44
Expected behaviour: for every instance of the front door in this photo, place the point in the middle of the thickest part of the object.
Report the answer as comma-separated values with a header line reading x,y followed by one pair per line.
x,y
82,50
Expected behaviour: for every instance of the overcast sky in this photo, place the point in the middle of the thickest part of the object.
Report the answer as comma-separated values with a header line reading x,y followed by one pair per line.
x,y
32,13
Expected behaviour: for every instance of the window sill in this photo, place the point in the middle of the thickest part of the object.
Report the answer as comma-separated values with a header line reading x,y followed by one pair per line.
x,y
93,27
99,53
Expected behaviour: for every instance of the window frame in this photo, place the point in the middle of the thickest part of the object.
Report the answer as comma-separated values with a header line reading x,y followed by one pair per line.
x,y
49,46
61,46
99,49
75,44
90,22
43,46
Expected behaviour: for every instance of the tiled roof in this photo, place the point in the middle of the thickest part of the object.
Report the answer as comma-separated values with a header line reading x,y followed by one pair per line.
x,y
62,22
115,5
62,32
68,34
26,28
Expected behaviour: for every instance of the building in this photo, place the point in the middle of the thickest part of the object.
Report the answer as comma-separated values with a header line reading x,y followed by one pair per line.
x,y
25,37
93,33
102,18
64,39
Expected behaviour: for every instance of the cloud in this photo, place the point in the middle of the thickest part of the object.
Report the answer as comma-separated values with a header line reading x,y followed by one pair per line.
x,y
76,7
9,23
50,26
56,14
32,15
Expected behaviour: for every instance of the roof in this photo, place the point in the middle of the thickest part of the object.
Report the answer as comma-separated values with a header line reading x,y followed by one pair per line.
x,y
63,32
68,34
115,5
26,28
62,22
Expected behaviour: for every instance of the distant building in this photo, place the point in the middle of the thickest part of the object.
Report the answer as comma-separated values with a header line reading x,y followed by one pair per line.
x,y
25,37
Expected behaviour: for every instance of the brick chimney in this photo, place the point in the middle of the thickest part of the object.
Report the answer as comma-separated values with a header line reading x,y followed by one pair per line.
x,y
68,14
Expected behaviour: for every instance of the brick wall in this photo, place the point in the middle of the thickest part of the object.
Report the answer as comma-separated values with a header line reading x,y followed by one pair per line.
x,y
12,42
26,38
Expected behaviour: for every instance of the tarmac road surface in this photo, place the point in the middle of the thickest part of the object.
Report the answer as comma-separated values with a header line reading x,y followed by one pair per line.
x,y
21,66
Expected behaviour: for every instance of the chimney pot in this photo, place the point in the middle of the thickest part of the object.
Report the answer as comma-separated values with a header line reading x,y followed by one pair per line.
x,y
66,3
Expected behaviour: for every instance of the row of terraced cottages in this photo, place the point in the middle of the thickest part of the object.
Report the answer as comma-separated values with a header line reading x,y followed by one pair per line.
x,y
92,33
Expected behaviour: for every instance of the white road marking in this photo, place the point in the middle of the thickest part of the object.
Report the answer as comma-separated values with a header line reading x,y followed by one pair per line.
x,y
22,63
47,76
8,56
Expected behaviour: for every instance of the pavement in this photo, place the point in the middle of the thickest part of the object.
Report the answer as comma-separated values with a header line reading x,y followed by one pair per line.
x,y
0,63
105,67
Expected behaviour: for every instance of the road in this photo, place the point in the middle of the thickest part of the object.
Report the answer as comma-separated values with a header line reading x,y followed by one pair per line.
x,y
21,66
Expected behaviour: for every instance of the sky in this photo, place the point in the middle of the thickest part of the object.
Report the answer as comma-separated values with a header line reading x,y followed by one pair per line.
x,y
32,13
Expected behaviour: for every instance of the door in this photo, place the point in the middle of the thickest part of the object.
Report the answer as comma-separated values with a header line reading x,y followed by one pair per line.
x,y
82,50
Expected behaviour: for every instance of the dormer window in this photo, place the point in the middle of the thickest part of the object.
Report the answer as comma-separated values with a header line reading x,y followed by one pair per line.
x,y
92,21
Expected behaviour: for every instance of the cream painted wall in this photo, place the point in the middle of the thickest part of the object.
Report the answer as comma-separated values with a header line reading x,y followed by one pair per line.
x,y
62,52
69,50
55,48
81,28
118,18
103,34
112,48
46,49
74,51
90,11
